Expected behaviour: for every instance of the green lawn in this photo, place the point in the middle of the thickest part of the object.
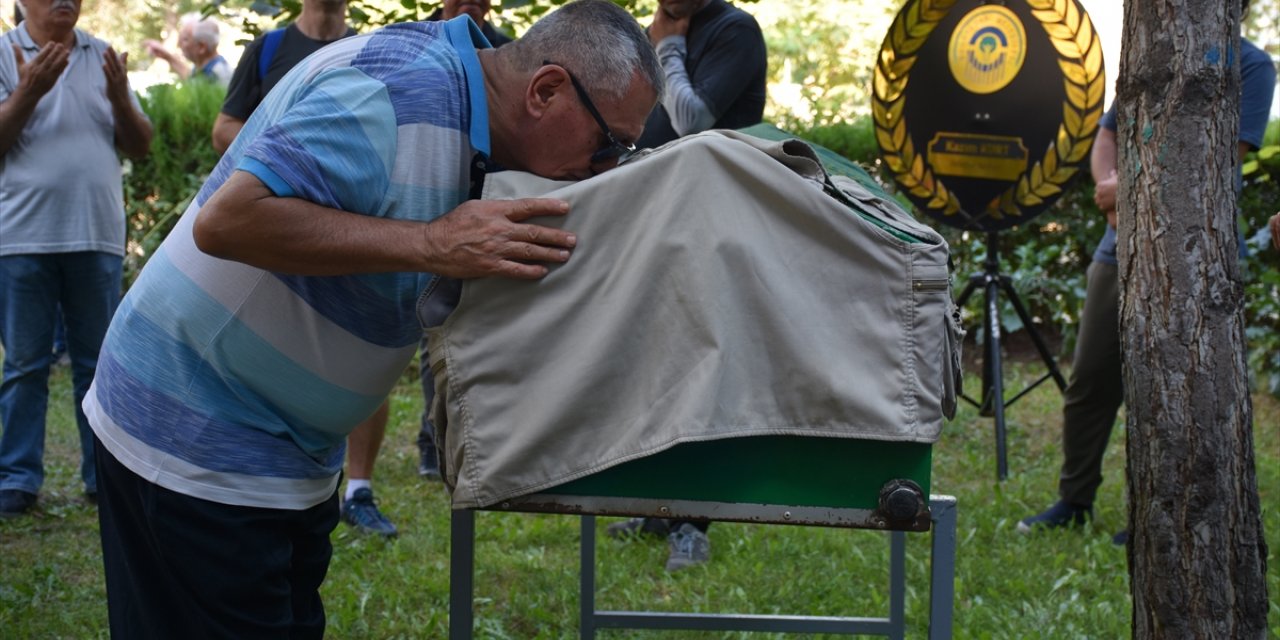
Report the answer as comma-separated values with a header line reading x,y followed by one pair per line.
x,y
1054,585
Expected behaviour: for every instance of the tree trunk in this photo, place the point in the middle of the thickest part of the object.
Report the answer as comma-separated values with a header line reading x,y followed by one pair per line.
x,y
1197,556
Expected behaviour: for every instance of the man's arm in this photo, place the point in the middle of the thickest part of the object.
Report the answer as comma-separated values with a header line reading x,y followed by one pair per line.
x,y
132,130
726,70
35,79
688,112
225,130
1102,164
246,222
179,66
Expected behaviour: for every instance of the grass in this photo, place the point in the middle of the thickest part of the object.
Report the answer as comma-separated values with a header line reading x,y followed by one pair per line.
x,y
1053,585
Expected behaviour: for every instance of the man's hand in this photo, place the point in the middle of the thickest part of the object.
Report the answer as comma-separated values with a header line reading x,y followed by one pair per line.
x,y
158,50
114,67
1104,195
489,237
39,75
1275,231
664,25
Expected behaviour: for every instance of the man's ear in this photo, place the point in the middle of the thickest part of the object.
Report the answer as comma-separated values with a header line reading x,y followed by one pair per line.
x,y
545,87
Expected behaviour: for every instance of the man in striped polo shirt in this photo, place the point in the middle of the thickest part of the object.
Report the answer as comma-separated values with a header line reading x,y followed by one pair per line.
x,y
282,309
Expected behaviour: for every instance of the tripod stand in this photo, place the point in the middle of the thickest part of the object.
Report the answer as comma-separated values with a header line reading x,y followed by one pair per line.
x,y
993,402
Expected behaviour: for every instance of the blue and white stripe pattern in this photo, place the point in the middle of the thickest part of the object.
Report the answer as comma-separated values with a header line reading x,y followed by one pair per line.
x,y
229,383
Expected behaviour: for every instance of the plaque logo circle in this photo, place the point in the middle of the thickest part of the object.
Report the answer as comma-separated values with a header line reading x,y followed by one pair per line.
x,y
987,49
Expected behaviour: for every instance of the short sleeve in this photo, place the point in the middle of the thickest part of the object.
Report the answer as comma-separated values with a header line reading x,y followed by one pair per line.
x,y
334,145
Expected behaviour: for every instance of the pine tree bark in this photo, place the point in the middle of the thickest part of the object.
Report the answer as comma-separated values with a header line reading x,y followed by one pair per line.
x,y
1197,556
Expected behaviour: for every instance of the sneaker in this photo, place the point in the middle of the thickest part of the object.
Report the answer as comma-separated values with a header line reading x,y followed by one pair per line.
x,y
655,527
688,546
14,502
428,464
1121,538
1061,514
361,512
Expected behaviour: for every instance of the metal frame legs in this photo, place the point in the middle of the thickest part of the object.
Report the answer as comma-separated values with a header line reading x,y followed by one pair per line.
x,y
941,589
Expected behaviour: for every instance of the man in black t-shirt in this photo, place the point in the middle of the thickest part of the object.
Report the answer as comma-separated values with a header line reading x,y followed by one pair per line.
x,y
320,23
715,61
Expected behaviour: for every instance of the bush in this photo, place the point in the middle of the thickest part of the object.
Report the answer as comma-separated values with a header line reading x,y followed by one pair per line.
x,y
1047,257
158,188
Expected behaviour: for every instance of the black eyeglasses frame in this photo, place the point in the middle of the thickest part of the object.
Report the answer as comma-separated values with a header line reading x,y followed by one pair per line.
x,y
614,148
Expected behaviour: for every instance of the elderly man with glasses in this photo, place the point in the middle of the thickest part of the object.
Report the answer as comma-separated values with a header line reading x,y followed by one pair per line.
x,y
284,307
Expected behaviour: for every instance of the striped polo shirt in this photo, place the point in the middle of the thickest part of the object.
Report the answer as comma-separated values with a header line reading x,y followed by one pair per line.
x,y
229,383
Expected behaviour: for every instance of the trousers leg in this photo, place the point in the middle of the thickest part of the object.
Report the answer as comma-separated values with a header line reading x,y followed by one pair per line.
x,y
92,281
1096,388
182,567
29,291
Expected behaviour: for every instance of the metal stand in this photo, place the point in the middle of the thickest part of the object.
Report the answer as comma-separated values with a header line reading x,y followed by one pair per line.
x,y
993,402
942,512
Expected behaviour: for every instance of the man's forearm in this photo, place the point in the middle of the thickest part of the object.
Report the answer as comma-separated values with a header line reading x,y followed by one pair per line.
x,y
689,113
14,114
1102,159
245,222
133,131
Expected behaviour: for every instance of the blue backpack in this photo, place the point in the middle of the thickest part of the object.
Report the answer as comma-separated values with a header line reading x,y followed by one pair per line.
x,y
270,42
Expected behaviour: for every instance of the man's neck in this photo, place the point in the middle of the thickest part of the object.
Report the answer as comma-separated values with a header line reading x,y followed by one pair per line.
x,y
505,105
204,60
43,36
323,21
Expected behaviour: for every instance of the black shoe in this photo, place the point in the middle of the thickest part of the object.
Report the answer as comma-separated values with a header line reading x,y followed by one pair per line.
x,y
654,527
14,503
1061,514
361,512
428,464
687,547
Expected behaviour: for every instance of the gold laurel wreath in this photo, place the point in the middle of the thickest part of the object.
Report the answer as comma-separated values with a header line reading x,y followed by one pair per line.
x,y
1080,58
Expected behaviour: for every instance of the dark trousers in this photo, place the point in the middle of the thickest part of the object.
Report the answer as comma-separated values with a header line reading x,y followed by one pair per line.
x,y
1096,389
182,567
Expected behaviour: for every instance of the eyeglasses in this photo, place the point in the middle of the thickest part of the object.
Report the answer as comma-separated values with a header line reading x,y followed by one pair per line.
x,y
613,148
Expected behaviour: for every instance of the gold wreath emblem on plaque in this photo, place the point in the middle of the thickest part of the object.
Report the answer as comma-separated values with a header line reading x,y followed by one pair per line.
x,y
1080,58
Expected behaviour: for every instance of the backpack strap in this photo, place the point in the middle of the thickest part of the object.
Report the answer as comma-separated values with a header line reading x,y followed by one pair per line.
x,y
270,42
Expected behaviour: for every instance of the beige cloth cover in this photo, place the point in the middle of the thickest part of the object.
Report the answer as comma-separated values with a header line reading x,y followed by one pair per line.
x,y
716,292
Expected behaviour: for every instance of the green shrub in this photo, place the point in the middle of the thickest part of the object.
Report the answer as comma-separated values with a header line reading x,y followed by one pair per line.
x,y
158,187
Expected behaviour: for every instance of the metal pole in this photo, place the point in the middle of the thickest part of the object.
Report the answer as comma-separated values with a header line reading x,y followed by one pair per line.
x,y
587,581
942,569
462,529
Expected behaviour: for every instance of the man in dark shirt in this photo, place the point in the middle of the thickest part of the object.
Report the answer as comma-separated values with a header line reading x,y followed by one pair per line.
x,y
478,11
320,23
715,62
